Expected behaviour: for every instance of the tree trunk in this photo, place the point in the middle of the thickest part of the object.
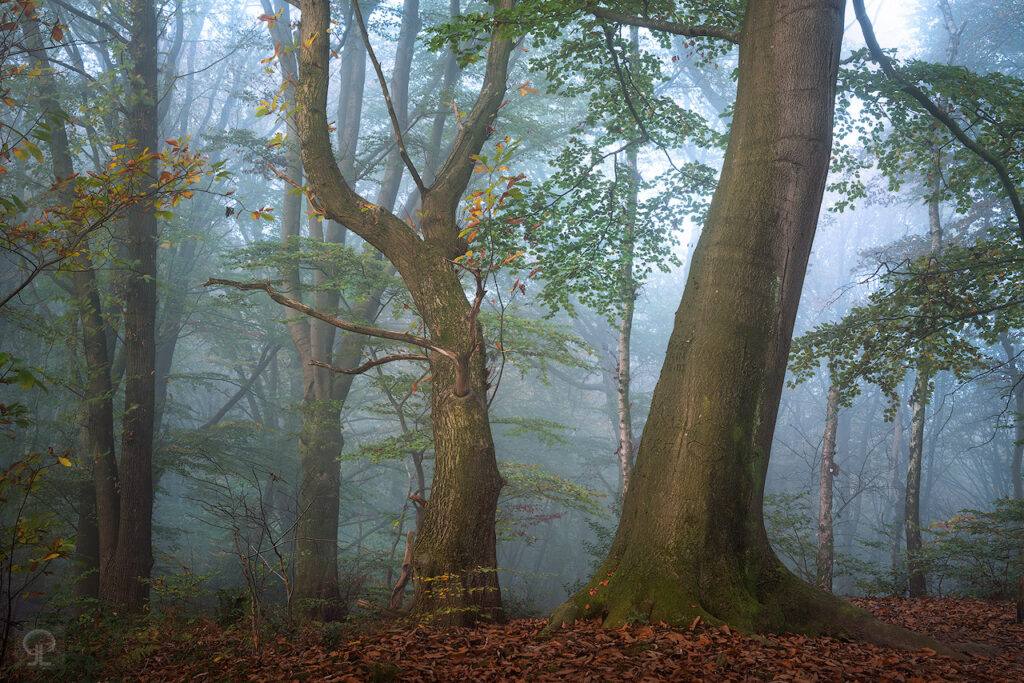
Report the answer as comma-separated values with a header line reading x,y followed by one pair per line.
x,y
1018,437
912,500
895,457
919,403
691,540
125,582
628,299
828,453
99,514
454,555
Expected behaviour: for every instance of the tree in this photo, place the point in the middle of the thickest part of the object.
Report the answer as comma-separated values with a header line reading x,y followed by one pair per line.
x,y
124,581
691,540
454,557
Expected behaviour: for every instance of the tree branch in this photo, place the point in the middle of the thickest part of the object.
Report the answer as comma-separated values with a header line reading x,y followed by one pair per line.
x,y
690,31
372,363
92,20
265,358
336,322
387,100
473,131
942,117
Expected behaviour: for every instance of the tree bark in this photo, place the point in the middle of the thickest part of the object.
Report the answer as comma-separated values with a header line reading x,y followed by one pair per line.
x,y
1017,387
912,500
899,491
124,584
825,530
454,556
691,540
628,299
919,403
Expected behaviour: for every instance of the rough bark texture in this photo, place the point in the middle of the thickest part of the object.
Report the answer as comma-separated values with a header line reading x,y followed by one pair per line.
x,y
454,555
691,540
125,581
826,535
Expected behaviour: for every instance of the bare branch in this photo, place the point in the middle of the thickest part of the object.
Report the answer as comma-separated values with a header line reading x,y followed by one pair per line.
x,y
268,355
942,117
92,20
372,363
690,31
336,322
387,100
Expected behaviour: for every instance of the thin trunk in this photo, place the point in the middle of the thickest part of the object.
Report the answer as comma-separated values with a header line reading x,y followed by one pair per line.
x,y
126,581
828,452
100,513
1017,387
912,506
919,403
628,299
895,459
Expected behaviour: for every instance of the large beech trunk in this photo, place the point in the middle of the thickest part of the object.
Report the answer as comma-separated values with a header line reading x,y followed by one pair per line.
x,y
691,540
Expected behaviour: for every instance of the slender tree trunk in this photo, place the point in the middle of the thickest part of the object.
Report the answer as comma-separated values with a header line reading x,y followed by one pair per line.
x,y
1017,387
919,403
125,582
691,540
828,453
899,493
912,500
628,298
99,513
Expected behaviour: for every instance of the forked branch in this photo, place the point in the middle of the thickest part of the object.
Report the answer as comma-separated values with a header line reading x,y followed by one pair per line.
x,y
460,359
942,117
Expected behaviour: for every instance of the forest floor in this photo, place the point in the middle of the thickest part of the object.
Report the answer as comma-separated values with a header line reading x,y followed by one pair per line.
x,y
199,650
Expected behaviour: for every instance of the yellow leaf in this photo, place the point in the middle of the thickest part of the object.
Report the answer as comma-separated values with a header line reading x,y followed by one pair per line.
x,y
64,461
51,556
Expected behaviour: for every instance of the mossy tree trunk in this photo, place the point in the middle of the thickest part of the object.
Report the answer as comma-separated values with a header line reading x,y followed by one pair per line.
x,y
691,540
454,557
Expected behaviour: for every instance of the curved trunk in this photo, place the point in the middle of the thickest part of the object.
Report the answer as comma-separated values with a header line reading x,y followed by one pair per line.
x,y
691,540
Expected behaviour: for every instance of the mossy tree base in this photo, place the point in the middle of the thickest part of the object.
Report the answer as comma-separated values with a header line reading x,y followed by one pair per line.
x,y
778,602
